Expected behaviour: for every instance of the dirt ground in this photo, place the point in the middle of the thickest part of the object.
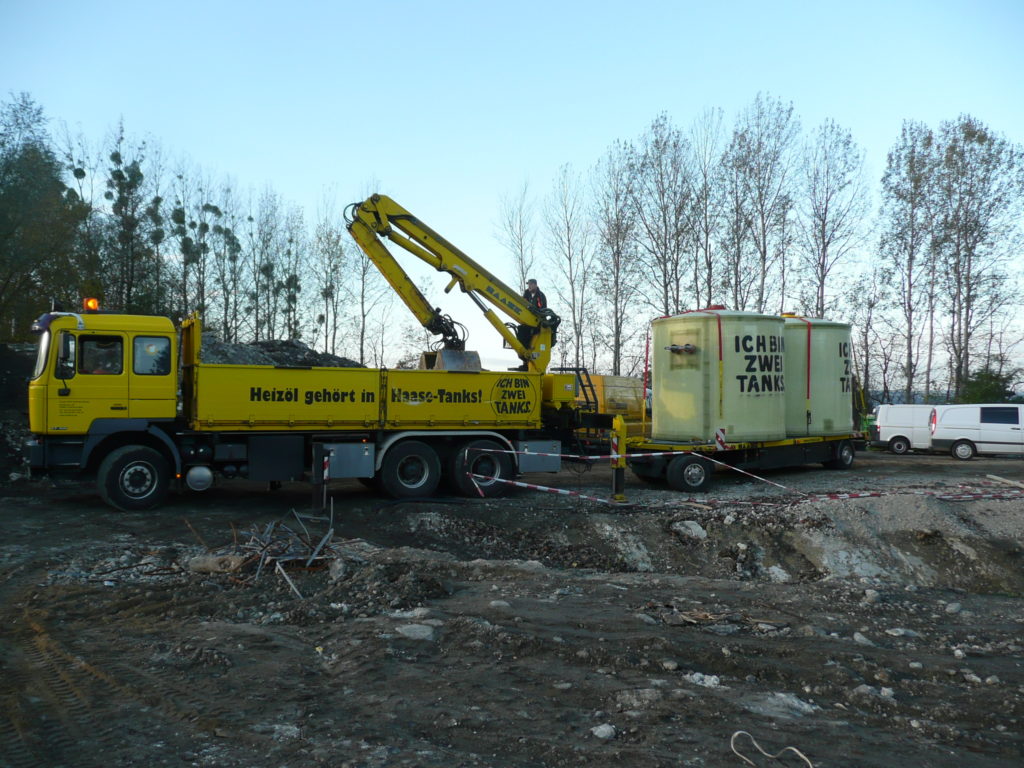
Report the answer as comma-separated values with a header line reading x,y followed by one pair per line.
x,y
530,630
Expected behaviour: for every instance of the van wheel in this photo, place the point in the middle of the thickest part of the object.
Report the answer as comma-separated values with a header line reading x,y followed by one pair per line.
x,y
844,456
409,469
963,450
689,473
899,445
480,457
133,478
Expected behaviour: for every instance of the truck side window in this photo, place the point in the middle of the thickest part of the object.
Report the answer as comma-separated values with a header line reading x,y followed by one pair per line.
x,y
100,355
151,356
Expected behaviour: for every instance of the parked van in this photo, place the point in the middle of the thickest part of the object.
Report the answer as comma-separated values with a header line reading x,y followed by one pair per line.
x,y
902,428
968,430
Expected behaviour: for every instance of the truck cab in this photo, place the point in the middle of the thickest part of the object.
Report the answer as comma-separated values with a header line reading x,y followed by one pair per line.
x,y
97,375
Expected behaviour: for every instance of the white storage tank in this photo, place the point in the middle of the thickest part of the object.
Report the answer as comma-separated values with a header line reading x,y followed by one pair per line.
x,y
819,379
716,369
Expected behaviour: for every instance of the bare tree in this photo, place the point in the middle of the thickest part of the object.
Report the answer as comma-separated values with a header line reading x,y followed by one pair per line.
x,y
833,210
763,154
980,201
516,233
569,236
907,226
661,194
705,212
617,269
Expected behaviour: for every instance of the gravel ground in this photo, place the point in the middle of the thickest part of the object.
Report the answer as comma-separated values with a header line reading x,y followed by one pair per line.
x,y
530,630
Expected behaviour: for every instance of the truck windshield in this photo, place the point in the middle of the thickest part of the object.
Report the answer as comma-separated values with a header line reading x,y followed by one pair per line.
x,y
44,350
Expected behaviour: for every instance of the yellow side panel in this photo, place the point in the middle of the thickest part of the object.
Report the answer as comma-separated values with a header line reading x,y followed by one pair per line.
x,y
447,399
263,397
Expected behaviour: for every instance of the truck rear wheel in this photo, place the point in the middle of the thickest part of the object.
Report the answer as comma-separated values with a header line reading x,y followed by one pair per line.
x,y
689,473
480,457
133,478
409,469
843,458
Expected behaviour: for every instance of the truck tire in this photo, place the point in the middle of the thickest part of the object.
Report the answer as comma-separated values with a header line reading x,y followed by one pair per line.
x,y
133,478
480,457
844,456
899,445
963,450
689,473
410,469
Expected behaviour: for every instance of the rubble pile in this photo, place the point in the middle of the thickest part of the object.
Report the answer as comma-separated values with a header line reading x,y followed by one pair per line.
x,y
284,352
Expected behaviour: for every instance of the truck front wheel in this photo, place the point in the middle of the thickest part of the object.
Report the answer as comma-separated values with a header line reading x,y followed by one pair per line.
x,y
133,478
410,469
689,473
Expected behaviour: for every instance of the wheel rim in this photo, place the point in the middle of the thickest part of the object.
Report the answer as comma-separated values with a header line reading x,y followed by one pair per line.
x,y
694,473
846,453
485,466
138,480
963,451
413,472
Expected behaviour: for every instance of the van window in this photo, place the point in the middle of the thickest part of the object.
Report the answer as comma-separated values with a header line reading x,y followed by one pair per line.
x,y
151,356
1000,415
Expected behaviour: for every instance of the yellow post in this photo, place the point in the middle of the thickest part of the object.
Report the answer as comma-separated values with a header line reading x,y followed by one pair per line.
x,y
618,444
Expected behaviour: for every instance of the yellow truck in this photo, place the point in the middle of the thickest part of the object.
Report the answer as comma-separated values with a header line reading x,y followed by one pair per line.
x,y
127,398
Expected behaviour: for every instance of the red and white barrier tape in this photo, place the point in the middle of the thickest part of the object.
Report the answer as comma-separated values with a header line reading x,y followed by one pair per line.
x,y
614,456
544,488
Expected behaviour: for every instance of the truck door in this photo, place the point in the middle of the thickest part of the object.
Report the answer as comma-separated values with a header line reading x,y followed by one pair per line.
x,y
1001,429
153,385
91,382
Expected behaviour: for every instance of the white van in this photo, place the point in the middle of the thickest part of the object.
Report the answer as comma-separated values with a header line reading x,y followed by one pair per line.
x,y
969,430
902,428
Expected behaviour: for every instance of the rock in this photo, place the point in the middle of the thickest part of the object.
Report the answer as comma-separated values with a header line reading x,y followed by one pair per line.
x,y
671,665
639,698
216,563
500,604
778,574
604,731
901,632
953,608
646,618
859,639
992,680
779,705
416,631
707,681
689,529
871,596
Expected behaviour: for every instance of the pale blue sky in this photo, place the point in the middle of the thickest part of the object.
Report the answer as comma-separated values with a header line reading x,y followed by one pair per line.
x,y
446,106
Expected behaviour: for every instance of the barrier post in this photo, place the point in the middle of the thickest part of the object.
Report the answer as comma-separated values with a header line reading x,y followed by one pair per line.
x,y
618,440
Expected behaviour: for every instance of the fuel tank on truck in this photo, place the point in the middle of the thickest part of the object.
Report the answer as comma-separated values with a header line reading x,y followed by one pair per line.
x,y
819,399
715,369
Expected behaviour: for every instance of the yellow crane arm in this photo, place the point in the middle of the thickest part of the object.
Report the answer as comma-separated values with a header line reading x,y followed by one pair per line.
x,y
380,217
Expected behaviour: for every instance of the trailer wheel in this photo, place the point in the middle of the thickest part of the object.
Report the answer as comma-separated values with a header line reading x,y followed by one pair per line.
x,y
689,473
409,469
480,457
133,478
963,450
899,445
844,456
